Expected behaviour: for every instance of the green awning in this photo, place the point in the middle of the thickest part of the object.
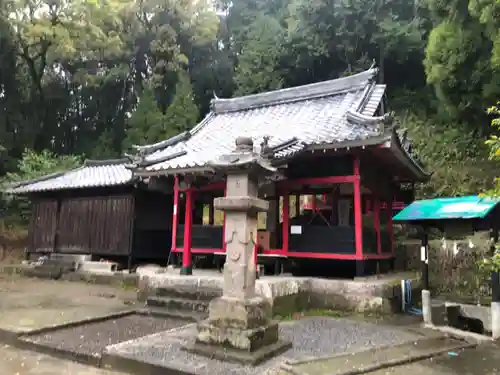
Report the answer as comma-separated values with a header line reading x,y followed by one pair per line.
x,y
472,207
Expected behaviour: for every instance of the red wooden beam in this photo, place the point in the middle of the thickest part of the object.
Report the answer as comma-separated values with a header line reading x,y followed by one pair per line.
x,y
215,186
286,184
358,219
199,251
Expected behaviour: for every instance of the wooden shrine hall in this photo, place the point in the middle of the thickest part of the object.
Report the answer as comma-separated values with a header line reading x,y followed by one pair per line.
x,y
331,139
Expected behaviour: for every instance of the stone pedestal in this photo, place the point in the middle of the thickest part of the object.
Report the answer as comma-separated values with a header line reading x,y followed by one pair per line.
x,y
240,326
239,331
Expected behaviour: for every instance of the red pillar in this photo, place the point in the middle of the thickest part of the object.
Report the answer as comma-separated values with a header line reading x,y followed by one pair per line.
x,y
187,268
358,219
175,208
313,203
390,203
376,222
286,217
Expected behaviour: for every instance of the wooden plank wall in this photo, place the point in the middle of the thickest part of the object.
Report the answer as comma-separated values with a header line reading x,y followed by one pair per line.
x,y
43,226
97,225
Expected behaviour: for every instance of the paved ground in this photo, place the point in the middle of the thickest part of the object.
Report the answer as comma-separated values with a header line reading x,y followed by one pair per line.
x,y
483,360
311,337
30,304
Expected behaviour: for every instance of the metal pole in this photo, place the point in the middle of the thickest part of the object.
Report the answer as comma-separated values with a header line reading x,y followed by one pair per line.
x,y
424,257
495,280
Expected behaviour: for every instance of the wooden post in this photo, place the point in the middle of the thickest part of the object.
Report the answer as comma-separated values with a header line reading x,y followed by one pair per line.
x,y
358,219
286,217
358,223
224,227
187,267
390,203
175,208
376,222
211,213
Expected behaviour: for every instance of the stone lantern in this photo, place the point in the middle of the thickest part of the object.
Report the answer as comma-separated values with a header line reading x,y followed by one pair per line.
x,y
240,326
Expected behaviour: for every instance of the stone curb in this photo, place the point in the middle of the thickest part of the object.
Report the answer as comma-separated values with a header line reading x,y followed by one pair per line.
x,y
97,319
287,365
21,340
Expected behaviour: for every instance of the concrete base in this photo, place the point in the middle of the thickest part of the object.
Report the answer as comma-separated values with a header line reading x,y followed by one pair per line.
x,y
239,331
239,356
495,320
426,307
186,271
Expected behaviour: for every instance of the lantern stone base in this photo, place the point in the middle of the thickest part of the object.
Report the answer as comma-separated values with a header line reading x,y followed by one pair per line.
x,y
239,331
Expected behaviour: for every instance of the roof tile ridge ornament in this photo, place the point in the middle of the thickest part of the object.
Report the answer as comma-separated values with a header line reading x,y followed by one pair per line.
x,y
104,162
294,94
242,157
383,122
172,141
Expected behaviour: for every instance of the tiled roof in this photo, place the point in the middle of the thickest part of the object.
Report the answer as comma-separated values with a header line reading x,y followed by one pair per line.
x,y
310,114
92,174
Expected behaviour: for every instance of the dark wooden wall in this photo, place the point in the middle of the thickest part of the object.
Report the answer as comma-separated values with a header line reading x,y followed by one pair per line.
x,y
94,224
43,226
111,222
97,225
152,226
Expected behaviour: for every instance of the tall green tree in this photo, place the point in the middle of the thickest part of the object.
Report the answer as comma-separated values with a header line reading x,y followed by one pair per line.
x,y
459,60
148,124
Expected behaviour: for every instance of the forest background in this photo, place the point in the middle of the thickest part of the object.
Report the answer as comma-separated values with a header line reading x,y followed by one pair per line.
x,y
89,78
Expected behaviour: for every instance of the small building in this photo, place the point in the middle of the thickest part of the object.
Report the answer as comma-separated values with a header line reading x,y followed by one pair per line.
x,y
330,138
99,209
457,216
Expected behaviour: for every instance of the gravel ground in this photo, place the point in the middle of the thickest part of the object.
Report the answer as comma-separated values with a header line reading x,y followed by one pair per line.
x,y
91,339
311,337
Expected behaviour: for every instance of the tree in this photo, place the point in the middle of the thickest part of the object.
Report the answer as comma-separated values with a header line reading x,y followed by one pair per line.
x,y
32,165
494,145
458,62
258,63
148,124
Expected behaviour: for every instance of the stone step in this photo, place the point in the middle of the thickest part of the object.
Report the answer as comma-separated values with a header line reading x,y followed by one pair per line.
x,y
178,304
194,316
189,293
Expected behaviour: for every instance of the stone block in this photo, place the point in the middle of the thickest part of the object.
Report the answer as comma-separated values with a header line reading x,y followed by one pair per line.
x,y
239,314
211,333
